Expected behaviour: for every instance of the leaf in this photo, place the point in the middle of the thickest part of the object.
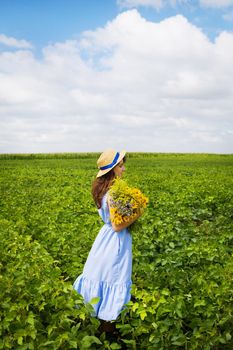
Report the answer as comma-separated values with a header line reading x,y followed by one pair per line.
x,y
51,328
222,340
143,314
20,340
179,313
165,292
73,343
94,300
200,303
178,340
172,245
30,319
88,340
49,342
115,346
82,316
135,306
132,341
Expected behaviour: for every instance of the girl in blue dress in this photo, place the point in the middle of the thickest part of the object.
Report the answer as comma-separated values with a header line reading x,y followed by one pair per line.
x,y
108,268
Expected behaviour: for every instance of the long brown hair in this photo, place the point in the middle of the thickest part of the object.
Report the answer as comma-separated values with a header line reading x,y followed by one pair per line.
x,y
101,185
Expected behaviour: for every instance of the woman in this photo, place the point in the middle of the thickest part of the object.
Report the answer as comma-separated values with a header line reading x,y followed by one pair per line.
x,y
107,271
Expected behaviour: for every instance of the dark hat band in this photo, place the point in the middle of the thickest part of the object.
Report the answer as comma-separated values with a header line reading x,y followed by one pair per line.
x,y
111,164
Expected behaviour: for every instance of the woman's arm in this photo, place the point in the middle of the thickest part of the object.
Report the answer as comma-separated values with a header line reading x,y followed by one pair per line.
x,y
119,227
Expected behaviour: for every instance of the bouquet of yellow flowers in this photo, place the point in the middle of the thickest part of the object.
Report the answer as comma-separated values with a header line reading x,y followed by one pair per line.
x,y
125,201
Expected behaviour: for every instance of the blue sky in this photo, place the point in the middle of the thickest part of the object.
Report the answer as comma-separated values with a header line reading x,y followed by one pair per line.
x,y
158,71
42,22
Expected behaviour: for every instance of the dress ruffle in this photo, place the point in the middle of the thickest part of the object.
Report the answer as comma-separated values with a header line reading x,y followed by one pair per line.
x,y
112,296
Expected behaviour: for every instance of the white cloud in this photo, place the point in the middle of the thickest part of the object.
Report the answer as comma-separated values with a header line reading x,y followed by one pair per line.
x,y
132,84
157,4
216,3
12,42
136,3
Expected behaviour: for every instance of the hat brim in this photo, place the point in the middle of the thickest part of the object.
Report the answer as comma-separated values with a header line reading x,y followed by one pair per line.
x,y
103,172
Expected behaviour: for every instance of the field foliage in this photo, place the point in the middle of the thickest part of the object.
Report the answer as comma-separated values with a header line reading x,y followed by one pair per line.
x,y
182,253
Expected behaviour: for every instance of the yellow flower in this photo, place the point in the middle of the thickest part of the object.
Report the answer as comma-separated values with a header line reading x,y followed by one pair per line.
x,y
125,201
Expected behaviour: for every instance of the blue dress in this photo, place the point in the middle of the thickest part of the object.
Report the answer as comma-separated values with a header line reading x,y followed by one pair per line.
x,y
108,269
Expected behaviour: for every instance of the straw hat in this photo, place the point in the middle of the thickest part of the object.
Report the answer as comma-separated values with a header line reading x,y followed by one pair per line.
x,y
108,160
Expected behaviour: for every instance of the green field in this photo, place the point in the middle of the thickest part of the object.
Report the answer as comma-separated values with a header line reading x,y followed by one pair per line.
x,y
182,253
